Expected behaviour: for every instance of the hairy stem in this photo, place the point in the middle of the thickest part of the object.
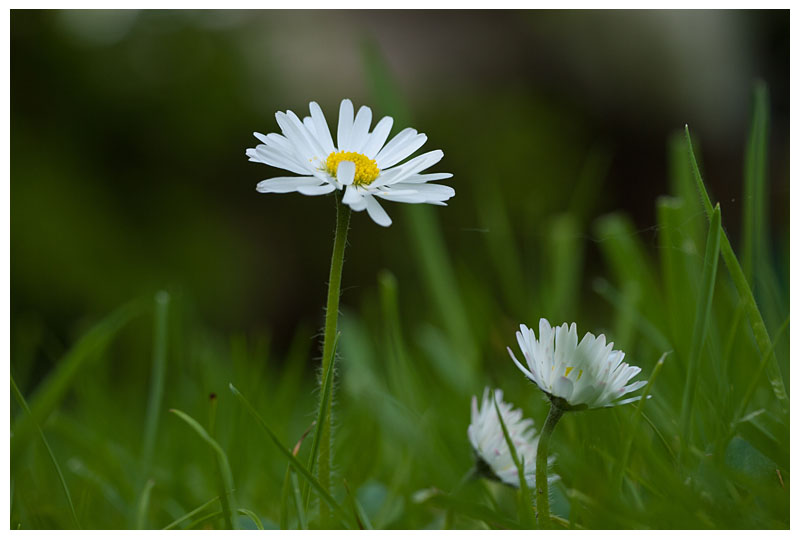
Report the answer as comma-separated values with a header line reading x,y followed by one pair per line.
x,y
542,490
331,323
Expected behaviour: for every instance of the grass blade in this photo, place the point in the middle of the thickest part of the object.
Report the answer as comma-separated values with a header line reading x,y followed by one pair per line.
x,y
298,501
50,392
701,322
156,379
226,497
24,404
190,514
292,459
754,233
745,292
361,516
253,517
144,504
634,422
527,516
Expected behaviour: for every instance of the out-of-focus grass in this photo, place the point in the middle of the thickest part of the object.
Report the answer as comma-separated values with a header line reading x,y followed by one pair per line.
x,y
411,355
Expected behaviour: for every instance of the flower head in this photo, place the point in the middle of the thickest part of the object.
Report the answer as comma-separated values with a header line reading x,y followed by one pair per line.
x,y
588,374
361,162
487,439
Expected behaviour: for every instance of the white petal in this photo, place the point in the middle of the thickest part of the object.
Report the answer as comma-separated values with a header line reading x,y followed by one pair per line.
x,y
345,124
563,388
286,184
316,190
352,196
376,211
321,130
346,172
378,137
400,147
422,178
360,132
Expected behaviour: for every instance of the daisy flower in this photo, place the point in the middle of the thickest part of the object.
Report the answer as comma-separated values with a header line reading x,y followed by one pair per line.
x,y
486,436
361,162
588,374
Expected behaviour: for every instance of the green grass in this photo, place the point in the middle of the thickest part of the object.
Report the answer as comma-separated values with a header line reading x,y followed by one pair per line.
x,y
708,450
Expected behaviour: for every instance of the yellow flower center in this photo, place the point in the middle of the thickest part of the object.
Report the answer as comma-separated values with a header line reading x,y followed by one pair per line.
x,y
580,373
366,169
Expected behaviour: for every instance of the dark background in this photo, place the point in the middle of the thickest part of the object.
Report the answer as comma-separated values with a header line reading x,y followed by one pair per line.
x,y
128,133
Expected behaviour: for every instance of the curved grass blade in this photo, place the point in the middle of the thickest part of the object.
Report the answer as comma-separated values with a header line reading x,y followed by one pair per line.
x,y
324,404
50,392
358,511
24,404
701,322
298,502
227,497
253,517
527,516
745,292
748,395
623,464
144,503
292,459
207,517
191,514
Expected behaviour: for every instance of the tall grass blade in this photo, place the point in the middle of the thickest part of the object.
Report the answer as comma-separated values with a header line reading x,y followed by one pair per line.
x,y
24,404
701,323
745,292
292,459
156,378
227,496
526,514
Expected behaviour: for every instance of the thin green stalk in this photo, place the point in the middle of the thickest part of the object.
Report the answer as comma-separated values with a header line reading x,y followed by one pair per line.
x,y
24,404
701,323
526,511
331,323
156,379
740,281
542,490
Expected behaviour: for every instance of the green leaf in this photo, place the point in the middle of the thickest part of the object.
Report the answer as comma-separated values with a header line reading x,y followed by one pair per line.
x,y
227,497
144,504
156,378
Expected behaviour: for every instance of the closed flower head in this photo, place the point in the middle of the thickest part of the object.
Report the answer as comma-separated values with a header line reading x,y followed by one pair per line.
x,y
487,439
576,375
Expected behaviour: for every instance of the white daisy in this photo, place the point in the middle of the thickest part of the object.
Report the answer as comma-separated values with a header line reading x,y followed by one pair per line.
x,y
486,436
588,374
360,162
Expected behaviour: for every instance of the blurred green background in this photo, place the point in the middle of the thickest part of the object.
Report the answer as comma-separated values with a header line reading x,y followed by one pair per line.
x,y
128,176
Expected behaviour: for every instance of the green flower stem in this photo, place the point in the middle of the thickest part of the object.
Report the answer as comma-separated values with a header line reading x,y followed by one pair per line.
x,y
331,323
542,490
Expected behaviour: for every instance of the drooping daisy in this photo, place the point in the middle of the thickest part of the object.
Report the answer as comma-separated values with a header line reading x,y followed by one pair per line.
x,y
487,439
361,162
588,374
